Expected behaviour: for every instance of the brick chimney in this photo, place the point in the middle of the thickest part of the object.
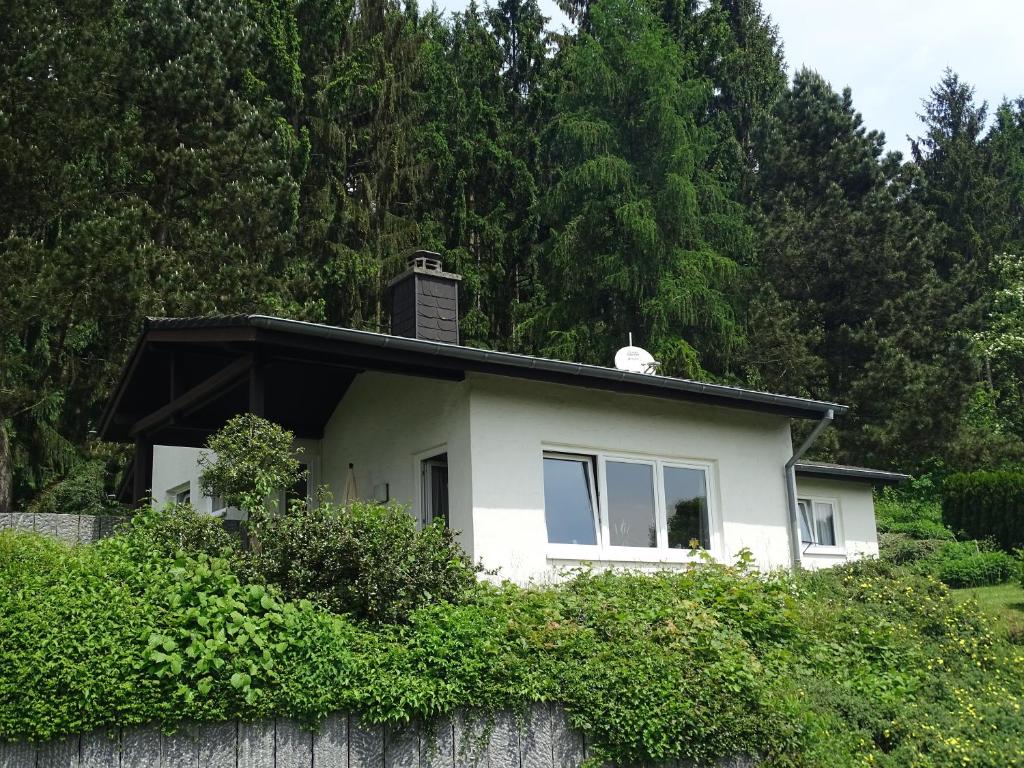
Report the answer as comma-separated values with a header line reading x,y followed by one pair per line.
x,y
424,300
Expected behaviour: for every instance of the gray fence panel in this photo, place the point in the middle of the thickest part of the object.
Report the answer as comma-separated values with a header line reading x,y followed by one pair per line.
x,y
67,529
256,744
62,753
330,743
365,744
402,747
17,754
566,743
294,745
100,749
23,521
181,748
503,745
471,734
437,744
46,523
5,520
88,529
535,746
217,745
141,747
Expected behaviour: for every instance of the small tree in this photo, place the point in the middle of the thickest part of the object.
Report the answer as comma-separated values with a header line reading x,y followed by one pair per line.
x,y
253,460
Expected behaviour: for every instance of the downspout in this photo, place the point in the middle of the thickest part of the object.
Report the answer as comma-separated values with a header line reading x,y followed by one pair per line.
x,y
790,473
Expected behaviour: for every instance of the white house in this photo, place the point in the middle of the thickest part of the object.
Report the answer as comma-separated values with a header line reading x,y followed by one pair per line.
x,y
540,464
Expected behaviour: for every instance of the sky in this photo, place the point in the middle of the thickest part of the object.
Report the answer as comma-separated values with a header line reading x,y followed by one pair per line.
x,y
892,52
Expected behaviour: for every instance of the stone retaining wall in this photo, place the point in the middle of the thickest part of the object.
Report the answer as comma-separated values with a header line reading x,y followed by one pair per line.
x,y
542,740
71,529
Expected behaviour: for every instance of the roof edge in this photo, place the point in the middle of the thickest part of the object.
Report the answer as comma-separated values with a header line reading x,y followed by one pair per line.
x,y
847,472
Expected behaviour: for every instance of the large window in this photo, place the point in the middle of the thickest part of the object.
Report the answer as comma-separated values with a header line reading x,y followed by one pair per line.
x,y
818,522
629,508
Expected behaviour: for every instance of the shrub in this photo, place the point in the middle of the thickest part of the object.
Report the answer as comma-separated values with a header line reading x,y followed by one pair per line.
x,y
863,665
253,460
985,504
82,492
366,560
978,569
916,513
179,528
955,563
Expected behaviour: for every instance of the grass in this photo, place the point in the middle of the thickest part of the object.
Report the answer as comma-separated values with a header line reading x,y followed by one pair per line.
x,y
1004,603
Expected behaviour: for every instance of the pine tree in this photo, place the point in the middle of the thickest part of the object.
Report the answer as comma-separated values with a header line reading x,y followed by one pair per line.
x,y
641,238
851,254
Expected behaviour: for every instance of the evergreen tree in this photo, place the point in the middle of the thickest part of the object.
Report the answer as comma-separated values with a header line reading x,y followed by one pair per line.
x,y
147,181
850,255
641,238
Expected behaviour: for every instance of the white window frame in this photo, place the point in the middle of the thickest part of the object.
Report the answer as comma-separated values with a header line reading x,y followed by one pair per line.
x,y
566,551
839,548
603,550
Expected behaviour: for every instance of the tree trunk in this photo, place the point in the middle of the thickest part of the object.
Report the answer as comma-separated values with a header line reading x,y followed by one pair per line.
x,y
5,470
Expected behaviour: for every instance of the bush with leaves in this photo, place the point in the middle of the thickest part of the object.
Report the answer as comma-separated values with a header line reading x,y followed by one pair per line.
x,y
863,665
253,459
363,559
180,528
83,491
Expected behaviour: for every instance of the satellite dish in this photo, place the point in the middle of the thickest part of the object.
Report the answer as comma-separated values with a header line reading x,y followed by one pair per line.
x,y
635,359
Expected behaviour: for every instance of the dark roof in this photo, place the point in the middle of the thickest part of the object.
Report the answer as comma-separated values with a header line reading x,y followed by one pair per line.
x,y
846,472
305,369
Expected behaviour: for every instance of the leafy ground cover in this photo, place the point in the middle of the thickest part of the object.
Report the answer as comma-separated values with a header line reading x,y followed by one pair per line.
x,y
863,665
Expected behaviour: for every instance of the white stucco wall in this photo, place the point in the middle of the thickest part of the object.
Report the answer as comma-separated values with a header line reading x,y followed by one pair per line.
x,y
385,425
856,519
514,422
495,431
173,466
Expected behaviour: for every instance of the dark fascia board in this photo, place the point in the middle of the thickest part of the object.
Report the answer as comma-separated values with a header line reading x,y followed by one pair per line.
x,y
845,472
421,352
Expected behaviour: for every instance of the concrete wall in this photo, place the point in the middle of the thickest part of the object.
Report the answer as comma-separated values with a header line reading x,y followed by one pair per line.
x,y
544,741
856,519
71,529
513,422
385,425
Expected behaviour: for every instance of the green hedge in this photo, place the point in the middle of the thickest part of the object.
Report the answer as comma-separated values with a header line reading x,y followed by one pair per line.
x,y
858,666
986,505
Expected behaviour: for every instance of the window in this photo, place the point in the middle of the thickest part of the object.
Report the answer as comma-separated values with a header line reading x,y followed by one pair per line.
x,y
625,506
818,522
181,494
686,507
434,491
569,499
632,518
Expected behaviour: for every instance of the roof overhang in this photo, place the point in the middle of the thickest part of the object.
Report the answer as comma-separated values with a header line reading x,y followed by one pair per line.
x,y
826,471
186,376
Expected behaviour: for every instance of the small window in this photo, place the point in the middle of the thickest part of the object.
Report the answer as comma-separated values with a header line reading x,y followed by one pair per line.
x,y
181,494
686,507
632,519
817,522
569,499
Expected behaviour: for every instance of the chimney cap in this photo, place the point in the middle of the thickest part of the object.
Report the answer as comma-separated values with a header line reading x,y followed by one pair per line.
x,y
423,263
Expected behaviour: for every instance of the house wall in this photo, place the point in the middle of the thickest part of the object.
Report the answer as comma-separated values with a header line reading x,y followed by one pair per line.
x,y
513,422
856,507
385,425
173,466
